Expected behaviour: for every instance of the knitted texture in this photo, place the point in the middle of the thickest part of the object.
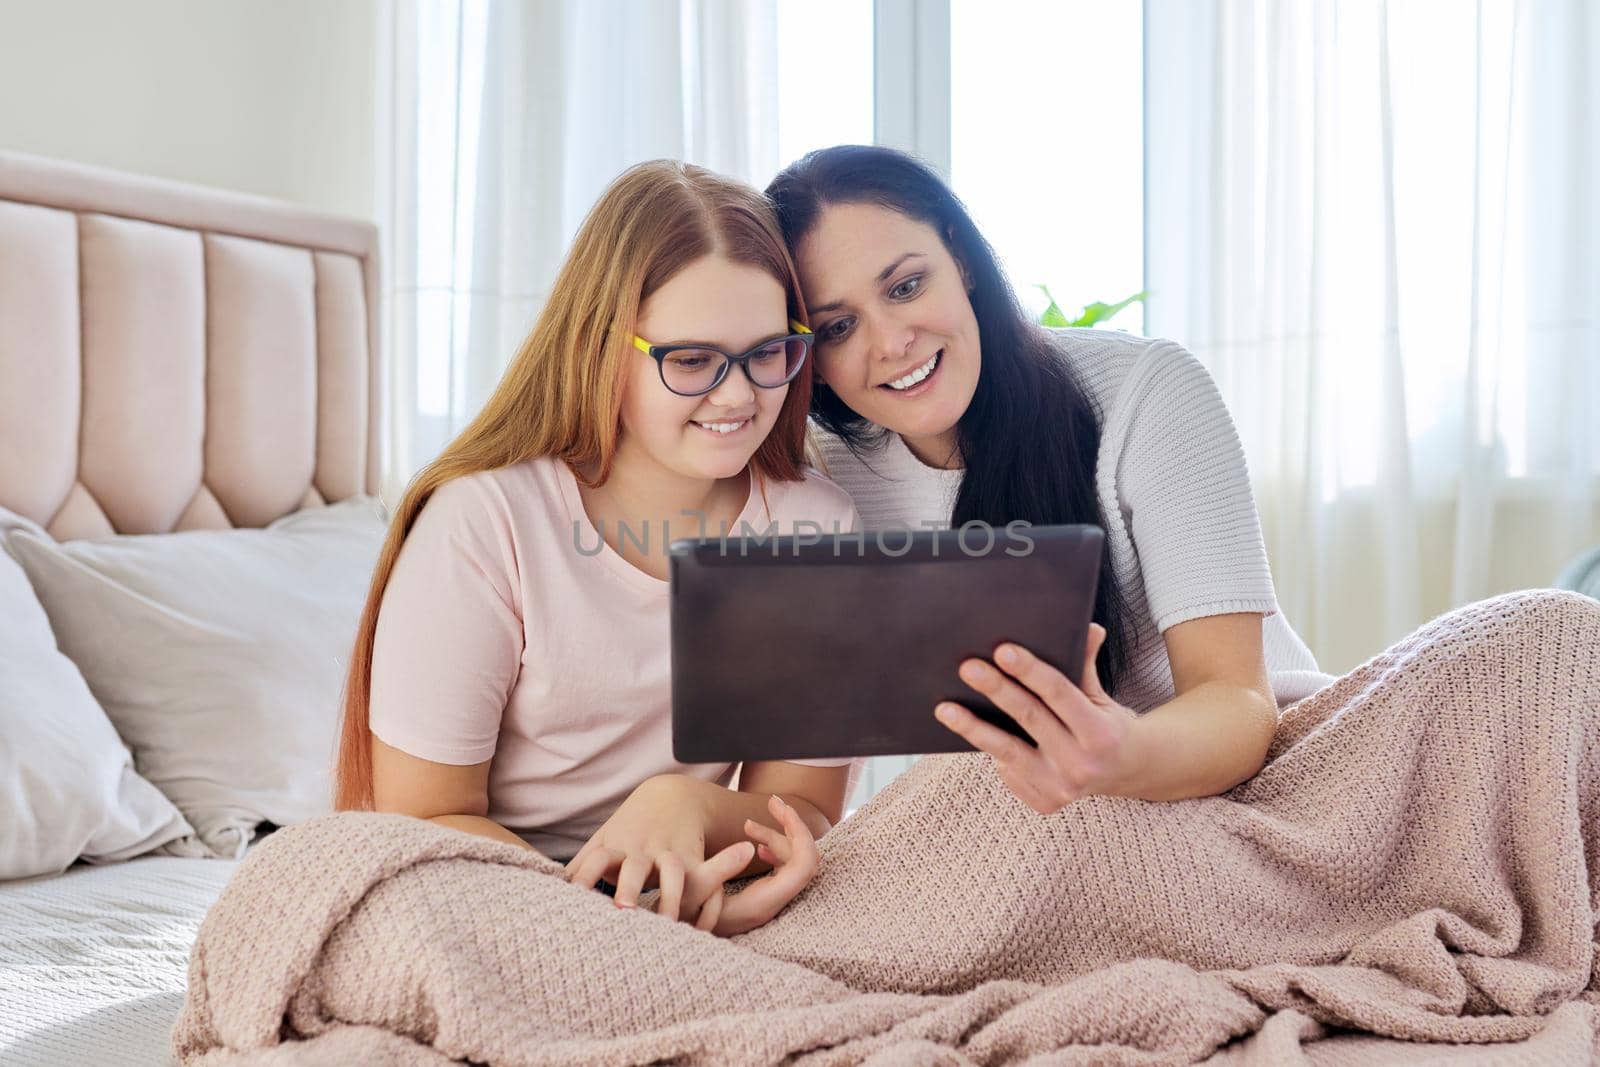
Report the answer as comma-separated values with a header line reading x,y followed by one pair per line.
x,y
1415,868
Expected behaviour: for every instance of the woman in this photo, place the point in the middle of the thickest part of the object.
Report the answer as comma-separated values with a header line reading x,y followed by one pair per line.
x,y
939,401
510,676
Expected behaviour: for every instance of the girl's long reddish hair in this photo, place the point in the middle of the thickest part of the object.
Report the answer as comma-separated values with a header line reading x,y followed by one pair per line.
x,y
561,395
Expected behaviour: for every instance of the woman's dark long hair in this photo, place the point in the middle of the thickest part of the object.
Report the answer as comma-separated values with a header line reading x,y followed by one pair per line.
x,y
1030,436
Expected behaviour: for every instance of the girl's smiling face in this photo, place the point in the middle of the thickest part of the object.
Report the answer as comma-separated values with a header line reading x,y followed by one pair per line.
x,y
712,301
897,340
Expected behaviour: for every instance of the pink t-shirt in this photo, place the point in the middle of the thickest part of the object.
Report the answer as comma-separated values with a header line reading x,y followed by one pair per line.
x,y
504,633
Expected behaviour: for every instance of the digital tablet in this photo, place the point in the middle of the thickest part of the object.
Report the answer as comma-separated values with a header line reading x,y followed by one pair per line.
x,y
842,645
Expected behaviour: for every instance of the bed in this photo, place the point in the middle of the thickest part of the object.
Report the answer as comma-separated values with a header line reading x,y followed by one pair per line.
x,y
92,968
172,360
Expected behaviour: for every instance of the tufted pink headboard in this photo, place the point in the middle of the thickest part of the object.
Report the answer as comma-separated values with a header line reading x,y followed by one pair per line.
x,y
178,358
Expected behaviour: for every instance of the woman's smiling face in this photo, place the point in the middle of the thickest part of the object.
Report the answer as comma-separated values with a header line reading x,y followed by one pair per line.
x,y
897,340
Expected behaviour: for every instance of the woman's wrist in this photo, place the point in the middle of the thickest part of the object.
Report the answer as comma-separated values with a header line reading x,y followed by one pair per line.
x,y
1142,757
1199,744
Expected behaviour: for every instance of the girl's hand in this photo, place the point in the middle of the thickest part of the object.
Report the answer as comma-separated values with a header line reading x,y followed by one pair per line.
x,y
794,858
655,837
1087,743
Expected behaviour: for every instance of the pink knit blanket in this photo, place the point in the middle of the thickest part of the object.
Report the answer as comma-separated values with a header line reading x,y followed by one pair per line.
x,y
1414,871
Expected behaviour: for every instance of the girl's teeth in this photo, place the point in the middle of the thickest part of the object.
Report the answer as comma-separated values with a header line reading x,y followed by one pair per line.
x,y
917,375
722,427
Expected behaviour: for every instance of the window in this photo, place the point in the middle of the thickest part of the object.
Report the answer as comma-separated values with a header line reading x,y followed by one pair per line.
x,y
1046,138
824,75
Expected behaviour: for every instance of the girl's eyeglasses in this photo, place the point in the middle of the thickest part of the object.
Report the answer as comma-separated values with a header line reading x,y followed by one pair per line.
x,y
694,370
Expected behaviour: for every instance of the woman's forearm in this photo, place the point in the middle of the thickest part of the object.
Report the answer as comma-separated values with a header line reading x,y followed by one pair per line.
x,y
1204,742
477,824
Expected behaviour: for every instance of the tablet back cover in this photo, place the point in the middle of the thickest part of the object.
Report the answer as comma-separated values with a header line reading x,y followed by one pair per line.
x,y
786,649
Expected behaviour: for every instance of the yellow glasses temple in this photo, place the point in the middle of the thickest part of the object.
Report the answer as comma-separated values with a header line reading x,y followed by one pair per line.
x,y
645,346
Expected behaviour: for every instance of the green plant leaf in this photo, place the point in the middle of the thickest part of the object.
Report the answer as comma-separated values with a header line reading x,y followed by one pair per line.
x,y
1098,312
1052,315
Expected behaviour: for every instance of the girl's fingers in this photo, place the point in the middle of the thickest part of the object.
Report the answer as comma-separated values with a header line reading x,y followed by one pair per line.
x,y
596,865
707,878
791,820
797,835
762,832
766,897
635,869
773,847
770,841
728,863
574,862
801,846
711,913
707,882
670,868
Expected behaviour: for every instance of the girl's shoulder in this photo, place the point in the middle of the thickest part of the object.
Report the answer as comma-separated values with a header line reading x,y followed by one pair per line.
x,y
503,499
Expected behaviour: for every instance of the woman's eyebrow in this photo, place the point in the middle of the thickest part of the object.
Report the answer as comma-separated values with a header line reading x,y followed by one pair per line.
x,y
883,276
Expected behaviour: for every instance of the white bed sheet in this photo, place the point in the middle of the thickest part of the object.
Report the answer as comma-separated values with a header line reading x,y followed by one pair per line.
x,y
94,961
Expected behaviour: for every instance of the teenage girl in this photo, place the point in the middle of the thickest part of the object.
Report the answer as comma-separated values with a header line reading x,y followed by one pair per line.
x,y
510,675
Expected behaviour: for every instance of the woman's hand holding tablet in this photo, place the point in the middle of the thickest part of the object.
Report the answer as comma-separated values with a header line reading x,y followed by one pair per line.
x,y
1084,742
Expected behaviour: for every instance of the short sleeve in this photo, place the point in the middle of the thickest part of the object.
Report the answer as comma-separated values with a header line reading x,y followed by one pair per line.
x,y
449,640
1181,479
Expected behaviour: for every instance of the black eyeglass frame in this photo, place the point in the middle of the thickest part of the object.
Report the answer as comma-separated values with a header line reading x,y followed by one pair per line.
x,y
659,353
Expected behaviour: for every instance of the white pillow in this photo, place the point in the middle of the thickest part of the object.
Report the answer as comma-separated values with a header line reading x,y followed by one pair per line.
x,y
219,655
67,787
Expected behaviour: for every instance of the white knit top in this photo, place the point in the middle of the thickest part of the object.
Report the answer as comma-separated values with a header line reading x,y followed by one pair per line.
x,y
1181,522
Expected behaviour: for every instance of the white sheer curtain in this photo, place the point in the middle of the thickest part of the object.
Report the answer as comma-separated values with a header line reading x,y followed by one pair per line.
x,y
500,123
1377,223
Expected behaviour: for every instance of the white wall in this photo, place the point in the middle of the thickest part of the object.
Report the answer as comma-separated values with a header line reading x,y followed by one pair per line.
x,y
273,97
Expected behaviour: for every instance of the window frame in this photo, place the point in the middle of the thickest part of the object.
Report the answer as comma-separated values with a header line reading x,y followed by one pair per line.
x,y
911,78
